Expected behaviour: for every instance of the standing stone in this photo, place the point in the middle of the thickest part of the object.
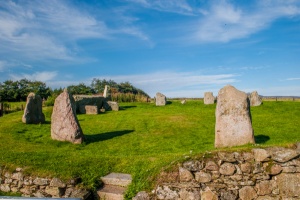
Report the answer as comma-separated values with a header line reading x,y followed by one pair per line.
x,y
33,113
255,99
64,123
233,118
209,98
106,92
161,99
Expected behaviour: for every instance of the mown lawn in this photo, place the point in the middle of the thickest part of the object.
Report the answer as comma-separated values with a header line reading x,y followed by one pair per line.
x,y
140,140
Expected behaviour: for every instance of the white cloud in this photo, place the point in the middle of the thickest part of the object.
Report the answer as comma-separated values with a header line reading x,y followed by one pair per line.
x,y
225,21
174,83
293,79
44,76
42,30
2,65
174,6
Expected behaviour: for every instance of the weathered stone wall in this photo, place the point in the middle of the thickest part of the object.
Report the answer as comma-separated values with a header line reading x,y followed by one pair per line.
x,y
28,186
272,173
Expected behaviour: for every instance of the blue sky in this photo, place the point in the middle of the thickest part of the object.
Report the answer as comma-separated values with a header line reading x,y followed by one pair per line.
x,y
181,48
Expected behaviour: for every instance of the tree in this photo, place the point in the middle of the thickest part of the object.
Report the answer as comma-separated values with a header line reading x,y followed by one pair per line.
x,y
81,88
99,85
19,90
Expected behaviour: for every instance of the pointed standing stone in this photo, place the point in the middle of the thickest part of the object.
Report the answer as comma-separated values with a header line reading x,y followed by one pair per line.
x,y
64,122
209,98
106,93
255,99
233,118
33,113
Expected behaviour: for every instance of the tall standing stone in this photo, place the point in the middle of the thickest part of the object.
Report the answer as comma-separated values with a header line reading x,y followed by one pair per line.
x,y
209,98
33,113
255,99
233,118
64,122
160,99
106,93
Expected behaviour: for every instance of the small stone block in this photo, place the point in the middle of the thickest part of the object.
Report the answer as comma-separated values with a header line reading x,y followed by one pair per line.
x,y
111,192
117,179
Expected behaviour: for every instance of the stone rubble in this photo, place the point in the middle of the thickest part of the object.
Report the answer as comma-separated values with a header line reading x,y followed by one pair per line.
x,y
233,176
38,187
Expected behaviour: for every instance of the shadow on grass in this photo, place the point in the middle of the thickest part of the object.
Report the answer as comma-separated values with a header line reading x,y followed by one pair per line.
x,y
260,139
126,107
105,136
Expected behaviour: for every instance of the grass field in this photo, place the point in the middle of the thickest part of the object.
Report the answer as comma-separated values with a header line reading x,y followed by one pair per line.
x,y
140,139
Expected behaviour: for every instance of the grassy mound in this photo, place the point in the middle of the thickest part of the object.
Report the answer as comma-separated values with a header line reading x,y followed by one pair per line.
x,y
140,139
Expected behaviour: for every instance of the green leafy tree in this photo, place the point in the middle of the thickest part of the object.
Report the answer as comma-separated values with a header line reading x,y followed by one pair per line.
x,y
99,85
19,90
81,88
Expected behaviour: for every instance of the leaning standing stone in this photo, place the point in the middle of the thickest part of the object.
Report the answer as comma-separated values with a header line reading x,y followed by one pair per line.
x,y
33,113
161,99
255,99
233,118
64,123
209,98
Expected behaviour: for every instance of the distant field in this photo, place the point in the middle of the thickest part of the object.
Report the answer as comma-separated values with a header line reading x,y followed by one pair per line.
x,y
140,139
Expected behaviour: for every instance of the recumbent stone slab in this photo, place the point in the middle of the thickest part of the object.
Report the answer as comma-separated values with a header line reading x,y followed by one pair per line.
x,y
233,118
64,122
89,110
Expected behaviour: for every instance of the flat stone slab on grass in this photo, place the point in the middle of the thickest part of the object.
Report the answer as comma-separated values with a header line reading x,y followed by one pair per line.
x,y
117,179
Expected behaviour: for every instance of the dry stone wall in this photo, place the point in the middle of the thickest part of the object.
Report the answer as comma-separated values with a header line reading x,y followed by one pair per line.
x,y
29,186
271,173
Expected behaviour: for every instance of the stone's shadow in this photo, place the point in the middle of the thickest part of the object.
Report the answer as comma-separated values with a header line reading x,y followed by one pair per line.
x,y
169,102
126,107
260,139
105,136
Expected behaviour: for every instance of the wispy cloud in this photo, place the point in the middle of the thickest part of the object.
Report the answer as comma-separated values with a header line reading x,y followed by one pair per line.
x,y
174,6
292,79
45,30
2,65
44,76
168,82
37,30
225,21
253,68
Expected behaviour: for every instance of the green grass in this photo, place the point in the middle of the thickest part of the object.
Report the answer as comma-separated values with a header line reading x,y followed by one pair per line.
x,y
141,139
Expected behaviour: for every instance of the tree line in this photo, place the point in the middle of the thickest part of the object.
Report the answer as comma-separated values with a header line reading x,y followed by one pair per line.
x,y
13,91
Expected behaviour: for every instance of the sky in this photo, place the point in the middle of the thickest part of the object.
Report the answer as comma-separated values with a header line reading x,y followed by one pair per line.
x,y
181,48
